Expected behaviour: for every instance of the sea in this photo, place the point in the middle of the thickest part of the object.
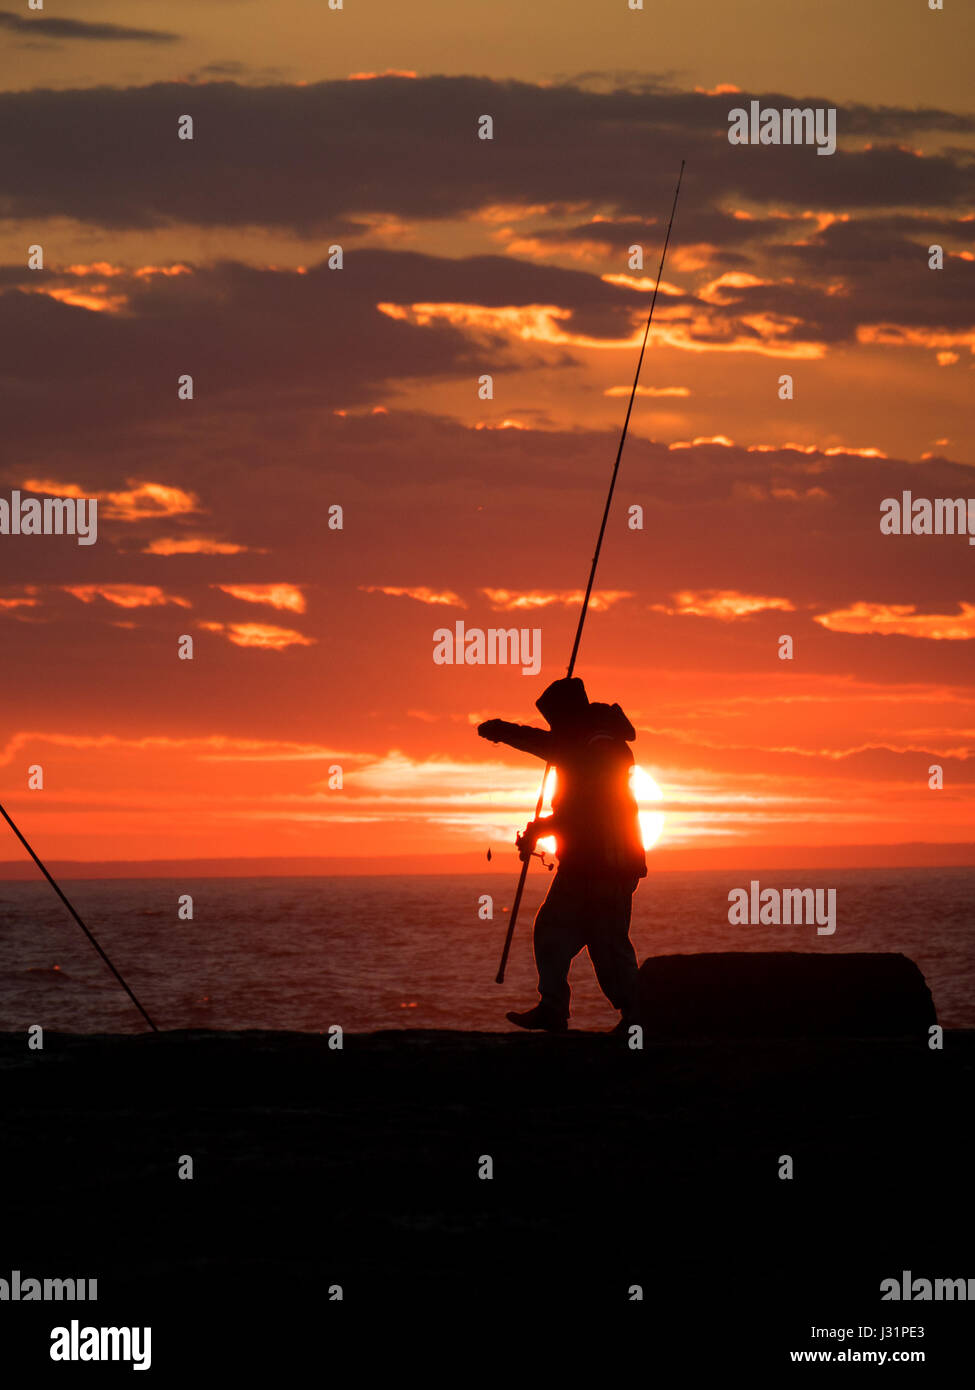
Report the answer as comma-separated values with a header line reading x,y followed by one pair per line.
x,y
395,951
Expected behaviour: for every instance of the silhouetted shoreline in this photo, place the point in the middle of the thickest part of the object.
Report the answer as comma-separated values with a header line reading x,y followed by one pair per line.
x,y
358,1167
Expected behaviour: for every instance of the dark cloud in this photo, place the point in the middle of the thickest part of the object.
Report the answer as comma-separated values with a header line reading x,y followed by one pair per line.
x,y
243,332
319,340
432,502
307,157
48,27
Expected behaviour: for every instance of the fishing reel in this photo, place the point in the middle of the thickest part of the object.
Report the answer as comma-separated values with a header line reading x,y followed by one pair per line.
x,y
524,853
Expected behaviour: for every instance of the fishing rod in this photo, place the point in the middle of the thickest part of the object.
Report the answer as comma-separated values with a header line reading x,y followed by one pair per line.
x,y
74,914
526,858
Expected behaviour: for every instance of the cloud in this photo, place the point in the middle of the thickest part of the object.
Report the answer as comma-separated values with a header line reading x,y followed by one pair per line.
x,y
137,503
724,604
504,600
209,747
192,545
721,439
407,316
386,72
26,599
48,27
285,596
262,635
445,598
405,146
902,620
126,595
647,391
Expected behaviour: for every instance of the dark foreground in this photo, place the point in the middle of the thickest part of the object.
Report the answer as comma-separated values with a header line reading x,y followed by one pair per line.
x,y
612,1169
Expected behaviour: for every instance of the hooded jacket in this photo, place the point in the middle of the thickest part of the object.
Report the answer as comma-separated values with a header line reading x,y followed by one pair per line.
x,y
595,818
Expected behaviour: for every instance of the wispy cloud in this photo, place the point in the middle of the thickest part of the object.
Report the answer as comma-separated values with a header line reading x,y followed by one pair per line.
x,y
48,27
126,595
262,635
138,502
901,620
723,604
192,545
286,596
438,597
509,600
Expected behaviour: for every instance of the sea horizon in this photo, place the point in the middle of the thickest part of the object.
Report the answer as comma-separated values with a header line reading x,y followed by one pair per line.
x,y
371,952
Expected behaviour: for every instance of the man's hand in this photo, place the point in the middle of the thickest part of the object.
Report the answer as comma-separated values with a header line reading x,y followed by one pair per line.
x,y
526,840
491,729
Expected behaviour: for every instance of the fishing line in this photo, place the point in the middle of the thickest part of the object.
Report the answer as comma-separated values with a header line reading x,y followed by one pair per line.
x,y
74,914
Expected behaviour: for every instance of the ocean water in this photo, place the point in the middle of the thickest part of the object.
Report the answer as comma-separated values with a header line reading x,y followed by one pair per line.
x,y
411,952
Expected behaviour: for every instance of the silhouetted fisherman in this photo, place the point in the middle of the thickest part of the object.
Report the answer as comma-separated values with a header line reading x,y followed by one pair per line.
x,y
596,825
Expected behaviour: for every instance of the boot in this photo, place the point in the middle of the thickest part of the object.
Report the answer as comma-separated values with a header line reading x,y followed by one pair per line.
x,y
541,1016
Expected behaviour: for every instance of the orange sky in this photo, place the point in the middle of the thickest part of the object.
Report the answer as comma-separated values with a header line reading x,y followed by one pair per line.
x,y
358,387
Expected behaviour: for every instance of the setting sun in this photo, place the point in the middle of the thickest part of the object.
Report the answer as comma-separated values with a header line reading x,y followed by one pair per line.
x,y
644,789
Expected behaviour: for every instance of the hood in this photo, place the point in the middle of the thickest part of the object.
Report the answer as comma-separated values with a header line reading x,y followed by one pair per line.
x,y
564,701
610,719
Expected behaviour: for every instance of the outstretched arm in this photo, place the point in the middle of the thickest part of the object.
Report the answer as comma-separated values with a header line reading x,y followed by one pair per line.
x,y
525,737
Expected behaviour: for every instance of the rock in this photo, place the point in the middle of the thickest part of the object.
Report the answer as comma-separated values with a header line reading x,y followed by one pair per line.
x,y
784,994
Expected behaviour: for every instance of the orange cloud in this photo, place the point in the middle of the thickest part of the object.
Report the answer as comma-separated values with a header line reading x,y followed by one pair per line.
x,y
534,248
287,596
514,212
210,747
192,545
721,439
506,600
723,604
142,500
902,620
126,595
528,323
149,500
641,282
421,593
145,272
24,600
648,391
386,72
897,335
851,450
697,333
106,268
261,635
94,297
541,323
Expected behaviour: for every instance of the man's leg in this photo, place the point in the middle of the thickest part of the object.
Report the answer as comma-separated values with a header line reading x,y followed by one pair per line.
x,y
610,948
559,935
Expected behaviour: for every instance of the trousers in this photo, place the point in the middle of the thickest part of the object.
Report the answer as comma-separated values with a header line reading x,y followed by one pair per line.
x,y
582,910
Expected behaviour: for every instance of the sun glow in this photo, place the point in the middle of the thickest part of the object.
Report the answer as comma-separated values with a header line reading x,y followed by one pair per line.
x,y
645,790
